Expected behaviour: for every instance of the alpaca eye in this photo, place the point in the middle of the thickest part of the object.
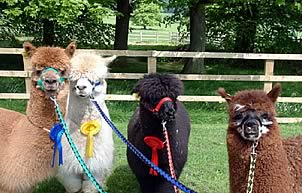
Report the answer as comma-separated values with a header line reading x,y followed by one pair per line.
x,y
38,72
264,115
63,73
238,117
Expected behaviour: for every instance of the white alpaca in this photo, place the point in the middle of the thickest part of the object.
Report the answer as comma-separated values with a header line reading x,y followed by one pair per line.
x,y
87,77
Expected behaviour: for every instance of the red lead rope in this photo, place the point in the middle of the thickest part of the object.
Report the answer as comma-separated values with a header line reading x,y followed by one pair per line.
x,y
171,166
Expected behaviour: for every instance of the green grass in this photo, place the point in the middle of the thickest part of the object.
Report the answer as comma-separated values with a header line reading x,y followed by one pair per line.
x,y
207,166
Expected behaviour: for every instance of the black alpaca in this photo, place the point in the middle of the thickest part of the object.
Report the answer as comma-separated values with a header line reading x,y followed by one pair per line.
x,y
151,90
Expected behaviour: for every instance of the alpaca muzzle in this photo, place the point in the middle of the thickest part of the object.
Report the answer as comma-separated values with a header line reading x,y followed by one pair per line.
x,y
50,81
87,88
251,129
167,112
165,109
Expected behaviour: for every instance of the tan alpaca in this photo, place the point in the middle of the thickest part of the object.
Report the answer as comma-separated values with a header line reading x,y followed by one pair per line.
x,y
26,150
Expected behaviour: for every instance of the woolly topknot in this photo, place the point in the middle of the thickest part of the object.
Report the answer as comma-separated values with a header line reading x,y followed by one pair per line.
x,y
90,65
154,87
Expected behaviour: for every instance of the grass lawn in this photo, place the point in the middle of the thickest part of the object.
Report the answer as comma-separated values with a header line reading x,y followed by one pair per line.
x,y
207,166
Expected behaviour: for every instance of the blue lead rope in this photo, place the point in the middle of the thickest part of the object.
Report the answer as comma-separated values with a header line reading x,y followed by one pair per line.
x,y
140,155
74,149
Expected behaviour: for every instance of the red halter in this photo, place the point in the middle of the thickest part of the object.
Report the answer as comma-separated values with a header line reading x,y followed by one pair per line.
x,y
160,103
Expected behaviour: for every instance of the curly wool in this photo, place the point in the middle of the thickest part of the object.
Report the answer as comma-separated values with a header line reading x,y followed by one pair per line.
x,y
26,150
151,89
272,174
79,111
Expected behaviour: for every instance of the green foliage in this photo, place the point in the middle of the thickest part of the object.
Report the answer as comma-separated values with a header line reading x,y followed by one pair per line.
x,y
273,33
63,12
257,25
77,20
147,14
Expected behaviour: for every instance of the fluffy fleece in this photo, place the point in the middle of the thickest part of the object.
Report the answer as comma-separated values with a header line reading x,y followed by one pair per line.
x,y
26,150
87,69
252,117
151,89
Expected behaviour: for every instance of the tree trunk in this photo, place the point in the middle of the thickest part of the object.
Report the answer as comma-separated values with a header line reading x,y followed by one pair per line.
x,y
197,37
246,29
48,32
122,30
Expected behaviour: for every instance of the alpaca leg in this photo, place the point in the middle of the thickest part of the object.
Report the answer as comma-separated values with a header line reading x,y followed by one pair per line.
x,y
88,186
164,187
71,183
147,184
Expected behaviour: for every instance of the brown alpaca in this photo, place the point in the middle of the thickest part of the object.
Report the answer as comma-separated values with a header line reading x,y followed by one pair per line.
x,y
252,118
26,150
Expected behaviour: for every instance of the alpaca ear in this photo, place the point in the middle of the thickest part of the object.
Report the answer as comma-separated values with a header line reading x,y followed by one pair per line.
x,y
70,49
224,95
274,93
29,49
110,59
135,91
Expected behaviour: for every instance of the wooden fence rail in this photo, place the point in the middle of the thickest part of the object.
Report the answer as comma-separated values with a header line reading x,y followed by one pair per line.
x,y
267,78
156,37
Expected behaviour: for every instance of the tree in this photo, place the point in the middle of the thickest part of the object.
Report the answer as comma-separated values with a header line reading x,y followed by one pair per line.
x,y
241,27
122,24
254,26
147,14
54,15
197,36
195,10
124,9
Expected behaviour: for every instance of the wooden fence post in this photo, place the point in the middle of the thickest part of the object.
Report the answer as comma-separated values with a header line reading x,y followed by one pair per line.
x,y
269,71
151,64
27,67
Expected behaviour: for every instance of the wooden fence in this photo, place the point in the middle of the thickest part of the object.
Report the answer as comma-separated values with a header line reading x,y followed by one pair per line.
x,y
267,78
156,37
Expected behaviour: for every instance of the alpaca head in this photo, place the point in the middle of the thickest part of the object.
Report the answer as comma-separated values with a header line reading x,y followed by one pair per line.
x,y
252,112
158,93
88,73
50,65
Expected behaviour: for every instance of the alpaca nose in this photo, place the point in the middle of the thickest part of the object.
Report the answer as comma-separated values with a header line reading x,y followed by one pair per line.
x,y
51,80
251,127
168,111
81,87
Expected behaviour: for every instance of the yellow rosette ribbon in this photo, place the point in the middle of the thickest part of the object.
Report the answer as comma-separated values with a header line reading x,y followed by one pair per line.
x,y
90,128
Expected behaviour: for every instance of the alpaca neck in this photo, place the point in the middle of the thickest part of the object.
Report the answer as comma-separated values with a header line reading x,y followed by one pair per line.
x,y
40,109
30,148
152,125
271,174
81,109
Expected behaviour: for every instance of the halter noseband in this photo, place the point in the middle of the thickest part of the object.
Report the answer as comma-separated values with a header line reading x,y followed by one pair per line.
x,y
160,103
40,81
94,84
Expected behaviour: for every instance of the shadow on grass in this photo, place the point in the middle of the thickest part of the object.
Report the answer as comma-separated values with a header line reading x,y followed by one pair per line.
x,y
122,180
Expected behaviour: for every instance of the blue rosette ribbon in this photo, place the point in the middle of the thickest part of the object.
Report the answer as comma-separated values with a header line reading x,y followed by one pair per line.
x,y
55,135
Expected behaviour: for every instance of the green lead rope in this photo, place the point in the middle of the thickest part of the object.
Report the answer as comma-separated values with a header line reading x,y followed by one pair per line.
x,y
74,149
